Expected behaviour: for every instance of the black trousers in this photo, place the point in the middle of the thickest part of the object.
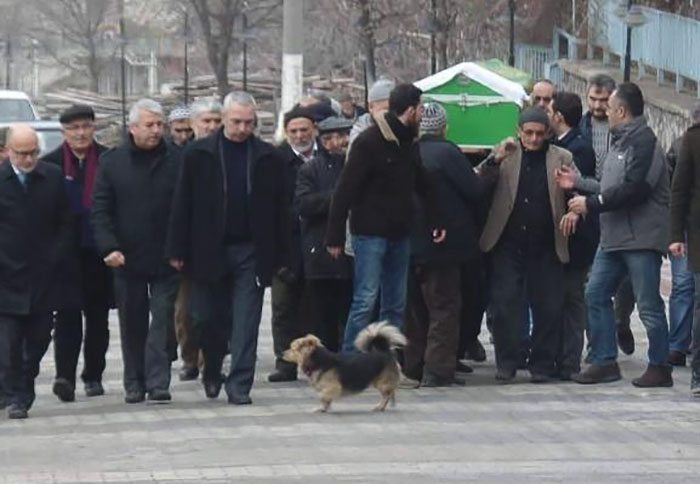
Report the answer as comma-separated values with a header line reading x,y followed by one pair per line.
x,y
68,323
290,317
517,278
332,299
474,293
23,343
146,324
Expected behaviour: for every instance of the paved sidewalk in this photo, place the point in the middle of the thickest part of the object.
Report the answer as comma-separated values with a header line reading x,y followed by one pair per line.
x,y
484,432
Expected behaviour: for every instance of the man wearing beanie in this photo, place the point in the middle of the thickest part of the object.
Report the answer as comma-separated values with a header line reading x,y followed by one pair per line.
x,y
378,182
526,246
377,102
86,283
435,281
299,148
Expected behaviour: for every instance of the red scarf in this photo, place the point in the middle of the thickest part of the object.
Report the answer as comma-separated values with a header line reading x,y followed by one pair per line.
x,y
70,169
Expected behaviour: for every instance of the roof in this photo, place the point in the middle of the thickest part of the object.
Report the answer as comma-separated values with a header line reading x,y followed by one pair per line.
x,y
4,94
39,125
510,90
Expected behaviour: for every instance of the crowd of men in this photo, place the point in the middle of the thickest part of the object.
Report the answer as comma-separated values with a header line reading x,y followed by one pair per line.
x,y
356,217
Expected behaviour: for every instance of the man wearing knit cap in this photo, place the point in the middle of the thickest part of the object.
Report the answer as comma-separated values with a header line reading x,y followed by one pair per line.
x,y
435,281
288,316
179,125
377,102
87,283
526,246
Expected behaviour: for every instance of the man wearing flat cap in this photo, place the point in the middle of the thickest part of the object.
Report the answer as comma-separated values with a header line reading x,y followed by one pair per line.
x,y
526,245
288,315
86,281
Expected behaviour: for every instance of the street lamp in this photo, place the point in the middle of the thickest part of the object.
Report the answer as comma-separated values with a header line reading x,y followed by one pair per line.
x,y
632,16
511,56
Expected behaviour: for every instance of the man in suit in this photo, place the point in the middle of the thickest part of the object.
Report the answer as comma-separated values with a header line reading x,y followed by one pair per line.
x,y
527,248
130,213
35,232
86,281
229,232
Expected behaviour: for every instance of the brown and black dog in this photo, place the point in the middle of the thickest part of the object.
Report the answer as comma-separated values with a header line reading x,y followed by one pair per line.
x,y
336,374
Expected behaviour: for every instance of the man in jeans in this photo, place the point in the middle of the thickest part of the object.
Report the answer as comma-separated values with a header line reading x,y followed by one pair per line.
x,y
377,184
685,208
633,205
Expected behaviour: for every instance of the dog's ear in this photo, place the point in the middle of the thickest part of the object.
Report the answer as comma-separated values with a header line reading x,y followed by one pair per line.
x,y
290,356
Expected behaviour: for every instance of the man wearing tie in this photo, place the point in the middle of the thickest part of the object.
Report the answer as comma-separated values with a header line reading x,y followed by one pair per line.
x,y
35,232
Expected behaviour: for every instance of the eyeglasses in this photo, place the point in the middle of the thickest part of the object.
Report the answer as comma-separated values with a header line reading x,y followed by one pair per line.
x,y
25,154
79,127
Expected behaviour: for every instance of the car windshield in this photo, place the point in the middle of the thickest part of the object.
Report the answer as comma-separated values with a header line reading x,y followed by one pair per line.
x,y
16,110
49,140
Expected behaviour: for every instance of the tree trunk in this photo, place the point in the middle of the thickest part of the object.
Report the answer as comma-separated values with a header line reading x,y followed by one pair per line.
x,y
367,40
221,71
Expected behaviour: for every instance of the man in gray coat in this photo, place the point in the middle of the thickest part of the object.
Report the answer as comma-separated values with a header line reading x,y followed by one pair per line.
x,y
632,200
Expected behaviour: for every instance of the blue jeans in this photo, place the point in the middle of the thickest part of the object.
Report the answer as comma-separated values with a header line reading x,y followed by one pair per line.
x,y
680,305
644,269
379,262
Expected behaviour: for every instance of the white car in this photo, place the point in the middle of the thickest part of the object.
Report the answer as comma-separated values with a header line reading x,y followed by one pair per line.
x,y
15,106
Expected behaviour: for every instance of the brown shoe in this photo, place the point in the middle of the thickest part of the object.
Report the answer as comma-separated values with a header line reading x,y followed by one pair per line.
x,y
676,358
598,374
655,376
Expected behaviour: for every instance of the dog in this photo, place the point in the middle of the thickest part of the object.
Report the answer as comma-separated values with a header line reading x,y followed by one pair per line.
x,y
336,374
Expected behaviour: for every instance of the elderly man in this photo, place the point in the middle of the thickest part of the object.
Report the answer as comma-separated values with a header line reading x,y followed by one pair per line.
x,y
348,109
35,233
632,201
527,247
130,213
288,285
179,125
205,117
87,283
543,92
685,236
229,233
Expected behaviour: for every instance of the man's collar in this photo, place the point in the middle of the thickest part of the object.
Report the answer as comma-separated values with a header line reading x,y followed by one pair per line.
x,y
564,134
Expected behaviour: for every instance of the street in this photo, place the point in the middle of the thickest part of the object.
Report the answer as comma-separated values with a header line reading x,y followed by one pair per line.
x,y
484,432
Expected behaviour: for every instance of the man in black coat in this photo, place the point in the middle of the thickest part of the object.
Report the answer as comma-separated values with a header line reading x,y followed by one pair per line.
x,y
130,213
329,280
436,282
288,311
86,280
229,233
565,113
35,233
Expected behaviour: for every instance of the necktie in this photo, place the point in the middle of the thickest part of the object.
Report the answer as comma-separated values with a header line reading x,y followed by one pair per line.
x,y
22,179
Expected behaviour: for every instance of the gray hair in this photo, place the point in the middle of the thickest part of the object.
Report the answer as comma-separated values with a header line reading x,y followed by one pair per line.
x,y
695,114
239,97
602,81
141,105
205,105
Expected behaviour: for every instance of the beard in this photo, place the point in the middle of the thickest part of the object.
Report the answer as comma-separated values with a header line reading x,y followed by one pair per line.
x,y
305,148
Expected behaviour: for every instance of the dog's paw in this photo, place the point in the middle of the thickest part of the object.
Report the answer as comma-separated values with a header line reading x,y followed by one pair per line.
x,y
320,410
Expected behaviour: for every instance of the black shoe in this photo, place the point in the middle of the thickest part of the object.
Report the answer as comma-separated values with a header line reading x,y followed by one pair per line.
x,y
64,390
94,389
434,381
625,339
159,396
17,412
462,367
542,378
475,351
654,377
564,374
676,358
136,396
189,374
239,400
281,376
212,388
505,374
598,374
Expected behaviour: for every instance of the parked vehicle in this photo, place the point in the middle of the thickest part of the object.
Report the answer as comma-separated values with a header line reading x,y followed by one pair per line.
x,y
15,106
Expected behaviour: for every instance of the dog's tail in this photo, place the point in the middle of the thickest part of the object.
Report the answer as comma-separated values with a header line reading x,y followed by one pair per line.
x,y
380,337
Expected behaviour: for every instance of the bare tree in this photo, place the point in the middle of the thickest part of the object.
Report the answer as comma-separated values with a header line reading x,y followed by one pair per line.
x,y
75,28
218,19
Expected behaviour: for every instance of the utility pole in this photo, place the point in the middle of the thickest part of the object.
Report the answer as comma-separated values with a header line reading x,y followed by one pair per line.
x,y
122,43
511,57
244,18
292,57
433,25
187,68
8,60
628,47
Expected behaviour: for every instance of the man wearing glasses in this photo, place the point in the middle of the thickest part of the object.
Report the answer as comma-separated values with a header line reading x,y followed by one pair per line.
x,y
35,232
86,290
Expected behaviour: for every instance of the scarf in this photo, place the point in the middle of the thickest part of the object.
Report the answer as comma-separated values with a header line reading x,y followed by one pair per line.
x,y
70,169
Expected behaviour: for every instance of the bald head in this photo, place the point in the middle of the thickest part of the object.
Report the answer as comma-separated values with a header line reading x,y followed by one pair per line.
x,y
23,145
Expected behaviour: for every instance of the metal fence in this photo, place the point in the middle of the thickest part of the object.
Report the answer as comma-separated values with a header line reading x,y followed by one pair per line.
x,y
533,59
667,42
